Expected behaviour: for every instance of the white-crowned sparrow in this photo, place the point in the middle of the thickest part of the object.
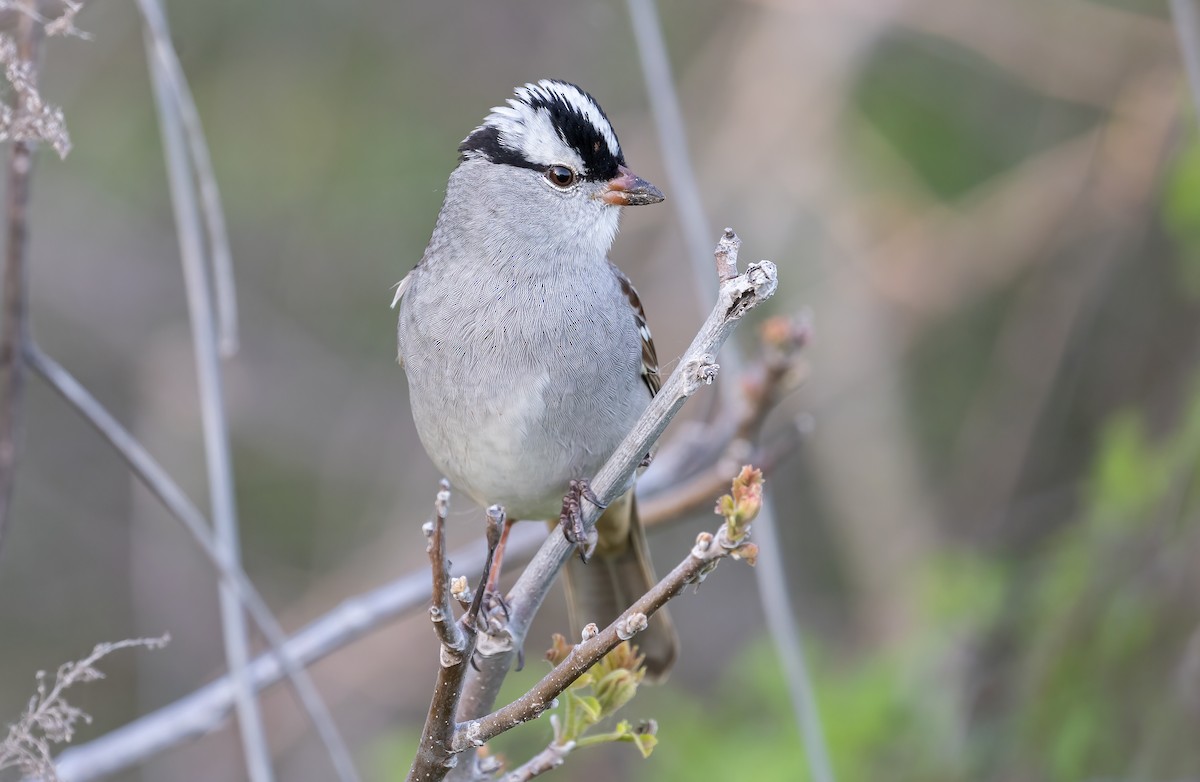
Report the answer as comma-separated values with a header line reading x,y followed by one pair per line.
x,y
527,351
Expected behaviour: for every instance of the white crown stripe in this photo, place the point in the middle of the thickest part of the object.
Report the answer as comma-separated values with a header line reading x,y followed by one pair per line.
x,y
530,131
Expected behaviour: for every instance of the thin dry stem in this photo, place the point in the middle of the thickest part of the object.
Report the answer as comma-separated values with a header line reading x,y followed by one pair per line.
x,y
49,719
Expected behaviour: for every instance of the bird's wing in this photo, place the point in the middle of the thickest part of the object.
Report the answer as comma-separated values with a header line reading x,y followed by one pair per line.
x,y
649,355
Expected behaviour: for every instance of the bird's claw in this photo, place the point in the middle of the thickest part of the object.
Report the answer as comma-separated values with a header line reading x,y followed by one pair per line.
x,y
571,518
494,601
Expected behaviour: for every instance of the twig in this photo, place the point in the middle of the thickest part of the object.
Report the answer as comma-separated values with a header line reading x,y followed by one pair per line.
x,y
15,319
454,641
548,759
433,758
772,580
212,418
162,59
50,719
100,759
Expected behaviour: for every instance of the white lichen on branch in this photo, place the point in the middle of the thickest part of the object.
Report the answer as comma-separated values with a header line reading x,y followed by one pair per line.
x,y
49,719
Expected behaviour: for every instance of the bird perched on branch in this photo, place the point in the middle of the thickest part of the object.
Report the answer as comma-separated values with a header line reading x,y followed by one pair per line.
x,y
527,351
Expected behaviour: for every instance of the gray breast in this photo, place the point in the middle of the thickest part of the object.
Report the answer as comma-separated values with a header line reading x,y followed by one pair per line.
x,y
521,378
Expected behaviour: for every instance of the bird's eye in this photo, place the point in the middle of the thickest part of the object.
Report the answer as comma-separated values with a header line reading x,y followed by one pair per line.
x,y
560,176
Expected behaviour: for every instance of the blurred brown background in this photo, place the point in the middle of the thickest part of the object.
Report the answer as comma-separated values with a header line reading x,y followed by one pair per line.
x,y
992,209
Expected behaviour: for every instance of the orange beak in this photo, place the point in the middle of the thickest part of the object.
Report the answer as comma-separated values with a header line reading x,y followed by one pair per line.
x,y
629,189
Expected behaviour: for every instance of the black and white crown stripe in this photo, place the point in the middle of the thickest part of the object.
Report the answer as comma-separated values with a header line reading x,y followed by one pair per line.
x,y
548,123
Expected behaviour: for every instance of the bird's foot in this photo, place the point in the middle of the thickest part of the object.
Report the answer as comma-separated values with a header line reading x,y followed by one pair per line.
x,y
495,604
571,518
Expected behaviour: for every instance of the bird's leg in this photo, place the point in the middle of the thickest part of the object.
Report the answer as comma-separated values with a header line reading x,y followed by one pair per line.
x,y
492,589
492,604
493,580
571,518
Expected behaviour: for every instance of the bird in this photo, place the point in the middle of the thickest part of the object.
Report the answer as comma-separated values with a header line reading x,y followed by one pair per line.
x,y
527,351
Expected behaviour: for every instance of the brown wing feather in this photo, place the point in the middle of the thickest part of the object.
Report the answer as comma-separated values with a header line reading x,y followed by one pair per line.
x,y
649,355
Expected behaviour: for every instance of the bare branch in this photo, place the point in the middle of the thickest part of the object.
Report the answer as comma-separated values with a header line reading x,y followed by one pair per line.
x,y
548,759
434,759
20,62
103,755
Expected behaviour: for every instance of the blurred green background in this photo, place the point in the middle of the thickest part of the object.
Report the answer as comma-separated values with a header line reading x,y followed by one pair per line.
x,y
992,208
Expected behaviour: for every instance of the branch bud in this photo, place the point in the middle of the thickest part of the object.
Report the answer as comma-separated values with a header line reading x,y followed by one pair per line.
x,y
632,625
742,505
460,590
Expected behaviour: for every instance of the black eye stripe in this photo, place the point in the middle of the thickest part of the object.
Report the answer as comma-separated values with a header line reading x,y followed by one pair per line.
x,y
486,141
